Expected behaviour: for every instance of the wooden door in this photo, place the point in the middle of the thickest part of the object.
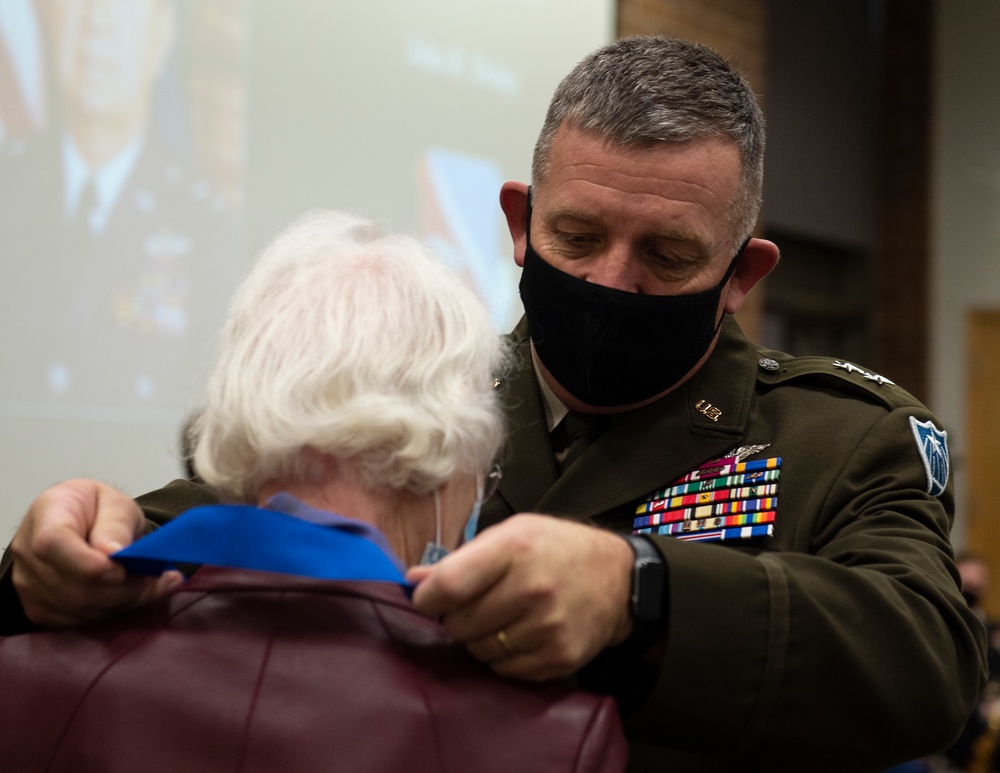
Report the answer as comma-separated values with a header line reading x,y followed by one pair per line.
x,y
983,445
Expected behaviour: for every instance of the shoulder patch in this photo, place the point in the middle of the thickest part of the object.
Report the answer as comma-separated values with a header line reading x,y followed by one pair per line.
x,y
932,444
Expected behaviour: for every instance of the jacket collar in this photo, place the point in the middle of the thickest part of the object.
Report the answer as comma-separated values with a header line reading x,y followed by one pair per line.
x,y
221,578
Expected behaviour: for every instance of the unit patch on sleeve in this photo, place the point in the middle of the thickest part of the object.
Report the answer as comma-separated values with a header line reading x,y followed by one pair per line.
x,y
932,443
721,500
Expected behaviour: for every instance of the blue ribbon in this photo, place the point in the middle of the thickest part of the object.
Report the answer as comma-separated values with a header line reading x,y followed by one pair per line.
x,y
245,537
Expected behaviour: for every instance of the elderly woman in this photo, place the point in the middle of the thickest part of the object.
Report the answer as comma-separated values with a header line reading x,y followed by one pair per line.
x,y
350,426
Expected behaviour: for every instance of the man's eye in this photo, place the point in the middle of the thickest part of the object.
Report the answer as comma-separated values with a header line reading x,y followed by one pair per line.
x,y
577,241
671,265
663,259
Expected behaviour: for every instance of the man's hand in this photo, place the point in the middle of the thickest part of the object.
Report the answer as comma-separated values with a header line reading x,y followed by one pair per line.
x,y
555,591
62,572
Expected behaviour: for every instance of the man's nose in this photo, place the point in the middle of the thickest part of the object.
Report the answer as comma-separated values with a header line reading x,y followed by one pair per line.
x,y
616,267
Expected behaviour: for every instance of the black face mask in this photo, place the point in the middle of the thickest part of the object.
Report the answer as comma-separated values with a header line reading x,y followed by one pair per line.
x,y
608,347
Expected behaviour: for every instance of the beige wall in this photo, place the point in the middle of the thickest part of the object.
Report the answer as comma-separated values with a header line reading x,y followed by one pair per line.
x,y
965,222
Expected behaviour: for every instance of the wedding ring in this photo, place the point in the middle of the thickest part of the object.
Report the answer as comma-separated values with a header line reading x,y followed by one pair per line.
x,y
504,644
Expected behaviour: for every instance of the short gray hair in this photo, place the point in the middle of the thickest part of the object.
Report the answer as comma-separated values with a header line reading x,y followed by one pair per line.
x,y
362,347
641,90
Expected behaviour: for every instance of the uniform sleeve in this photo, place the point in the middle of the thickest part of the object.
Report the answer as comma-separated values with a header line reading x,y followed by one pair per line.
x,y
12,617
859,648
173,499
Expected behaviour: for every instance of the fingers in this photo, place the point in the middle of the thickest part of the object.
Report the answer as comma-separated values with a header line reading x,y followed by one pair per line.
x,y
56,550
62,572
71,528
505,644
518,653
460,578
61,606
418,573
556,590
119,521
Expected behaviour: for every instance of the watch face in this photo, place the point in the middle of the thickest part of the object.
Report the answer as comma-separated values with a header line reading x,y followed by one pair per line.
x,y
649,594
648,577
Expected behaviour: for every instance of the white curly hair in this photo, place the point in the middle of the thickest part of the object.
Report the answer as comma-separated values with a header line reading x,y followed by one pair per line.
x,y
361,347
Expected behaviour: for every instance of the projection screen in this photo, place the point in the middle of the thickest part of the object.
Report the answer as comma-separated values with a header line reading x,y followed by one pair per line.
x,y
150,148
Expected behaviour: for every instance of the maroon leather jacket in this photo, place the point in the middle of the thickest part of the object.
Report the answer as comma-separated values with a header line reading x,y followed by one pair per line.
x,y
250,671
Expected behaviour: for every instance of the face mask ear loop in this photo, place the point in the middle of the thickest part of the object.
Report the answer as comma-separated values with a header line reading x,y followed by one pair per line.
x,y
734,262
729,273
472,524
435,551
437,517
527,220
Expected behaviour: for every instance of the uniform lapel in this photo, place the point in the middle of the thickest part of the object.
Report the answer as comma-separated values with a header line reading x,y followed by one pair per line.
x,y
528,464
650,447
643,451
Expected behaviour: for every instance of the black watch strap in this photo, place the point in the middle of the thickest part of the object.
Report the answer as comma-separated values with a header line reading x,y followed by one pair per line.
x,y
649,574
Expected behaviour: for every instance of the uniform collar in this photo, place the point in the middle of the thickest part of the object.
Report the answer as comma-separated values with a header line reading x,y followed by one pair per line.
x,y
643,450
555,409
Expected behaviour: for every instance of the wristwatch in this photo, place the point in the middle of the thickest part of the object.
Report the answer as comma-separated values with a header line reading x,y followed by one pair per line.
x,y
649,575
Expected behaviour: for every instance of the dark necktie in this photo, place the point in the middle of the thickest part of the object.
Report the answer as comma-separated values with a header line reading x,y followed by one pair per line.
x,y
578,431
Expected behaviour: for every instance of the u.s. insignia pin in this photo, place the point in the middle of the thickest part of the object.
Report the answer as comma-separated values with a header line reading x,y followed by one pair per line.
x,y
932,443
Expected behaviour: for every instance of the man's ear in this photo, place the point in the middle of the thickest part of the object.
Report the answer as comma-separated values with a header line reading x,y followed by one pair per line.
x,y
514,203
759,258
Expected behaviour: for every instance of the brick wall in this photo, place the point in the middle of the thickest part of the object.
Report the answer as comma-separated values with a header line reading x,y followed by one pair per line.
x,y
900,265
737,30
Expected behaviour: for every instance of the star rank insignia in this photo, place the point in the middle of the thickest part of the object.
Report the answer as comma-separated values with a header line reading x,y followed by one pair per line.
x,y
852,368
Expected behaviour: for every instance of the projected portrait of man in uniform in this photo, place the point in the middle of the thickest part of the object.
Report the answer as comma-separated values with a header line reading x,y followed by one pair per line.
x,y
117,250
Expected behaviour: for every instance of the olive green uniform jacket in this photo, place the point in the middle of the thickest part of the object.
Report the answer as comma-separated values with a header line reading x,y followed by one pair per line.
x,y
840,643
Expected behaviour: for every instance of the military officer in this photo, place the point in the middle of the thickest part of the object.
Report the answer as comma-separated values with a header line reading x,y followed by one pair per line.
x,y
751,553
110,315
120,250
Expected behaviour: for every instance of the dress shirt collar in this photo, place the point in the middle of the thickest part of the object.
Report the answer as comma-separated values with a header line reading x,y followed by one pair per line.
x,y
289,505
108,180
555,409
